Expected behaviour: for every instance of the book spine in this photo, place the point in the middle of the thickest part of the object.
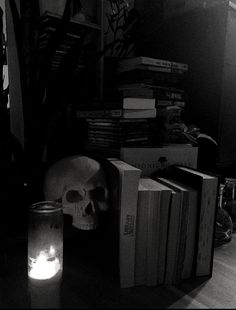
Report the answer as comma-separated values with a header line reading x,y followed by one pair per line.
x,y
166,103
141,239
179,65
145,61
99,113
133,66
183,235
172,240
206,228
128,231
156,62
164,216
152,240
153,68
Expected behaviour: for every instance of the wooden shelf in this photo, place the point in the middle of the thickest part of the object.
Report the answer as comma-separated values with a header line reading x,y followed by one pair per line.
x,y
74,23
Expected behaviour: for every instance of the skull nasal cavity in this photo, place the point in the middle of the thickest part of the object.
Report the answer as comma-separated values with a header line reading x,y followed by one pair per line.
x,y
89,209
73,196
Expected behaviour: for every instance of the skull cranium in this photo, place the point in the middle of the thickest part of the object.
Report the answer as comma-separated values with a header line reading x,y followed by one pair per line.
x,y
80,183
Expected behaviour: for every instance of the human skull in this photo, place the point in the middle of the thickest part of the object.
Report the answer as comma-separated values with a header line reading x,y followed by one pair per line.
x,y
80,183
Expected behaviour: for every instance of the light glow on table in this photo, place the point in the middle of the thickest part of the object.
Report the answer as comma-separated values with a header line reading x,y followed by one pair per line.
x,y
45,266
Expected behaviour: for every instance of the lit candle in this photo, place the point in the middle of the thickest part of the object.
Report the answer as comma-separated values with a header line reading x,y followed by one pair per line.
x,y
45,254
45,266
45,241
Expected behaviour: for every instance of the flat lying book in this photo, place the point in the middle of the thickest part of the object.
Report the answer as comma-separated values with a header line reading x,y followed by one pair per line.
x,y
142,60
117,113
142,92
151,64
138,103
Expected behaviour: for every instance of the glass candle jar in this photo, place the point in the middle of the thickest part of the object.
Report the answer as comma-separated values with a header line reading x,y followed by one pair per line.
x,y
45,241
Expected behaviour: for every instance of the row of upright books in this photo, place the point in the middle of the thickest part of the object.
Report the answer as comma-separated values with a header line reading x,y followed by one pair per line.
x,y
164,224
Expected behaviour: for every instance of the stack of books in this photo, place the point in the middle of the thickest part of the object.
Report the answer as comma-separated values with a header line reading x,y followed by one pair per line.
x,y
162,80
116,133
150,70
163,226
119,123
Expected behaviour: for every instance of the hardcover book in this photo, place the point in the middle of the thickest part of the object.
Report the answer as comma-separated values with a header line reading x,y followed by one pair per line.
x,y
141,235
155,78
124,198
152,63
207,185
117,113
163,232
191,239
141,60
182,212
142,92
154,224
172,239
138,103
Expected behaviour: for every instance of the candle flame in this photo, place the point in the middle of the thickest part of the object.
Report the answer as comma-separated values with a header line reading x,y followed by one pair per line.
x,y
45,266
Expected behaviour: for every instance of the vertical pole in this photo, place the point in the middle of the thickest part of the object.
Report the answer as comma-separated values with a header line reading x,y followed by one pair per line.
x,y
100,13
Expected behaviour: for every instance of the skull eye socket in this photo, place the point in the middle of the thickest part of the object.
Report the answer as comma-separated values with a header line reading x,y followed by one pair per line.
x,y
73,196
98,194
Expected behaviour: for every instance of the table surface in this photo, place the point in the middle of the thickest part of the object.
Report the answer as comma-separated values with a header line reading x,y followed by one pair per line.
x,y
89,280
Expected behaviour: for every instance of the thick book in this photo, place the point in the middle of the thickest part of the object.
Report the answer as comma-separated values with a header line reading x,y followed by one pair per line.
x,y
124,196
117,113
163,232
170,93
116,122
116,135
172,237
191,236
153,230
191,239
96,132
162,103
131,67
141,235
129,127
179,65
138,103
140,75
181,237
142,60
141,92
120,143
207,184
151,68
157,223
159,64
151,159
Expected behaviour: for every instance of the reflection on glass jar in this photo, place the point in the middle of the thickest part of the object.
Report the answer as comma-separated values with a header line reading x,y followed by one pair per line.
x,y
224,225
229,199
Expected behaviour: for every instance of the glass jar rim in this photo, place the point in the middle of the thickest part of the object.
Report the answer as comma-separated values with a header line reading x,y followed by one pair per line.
x,y
47,206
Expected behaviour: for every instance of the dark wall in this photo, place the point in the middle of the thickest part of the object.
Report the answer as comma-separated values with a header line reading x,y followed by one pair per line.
x,y
197,38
